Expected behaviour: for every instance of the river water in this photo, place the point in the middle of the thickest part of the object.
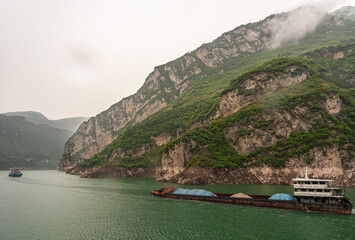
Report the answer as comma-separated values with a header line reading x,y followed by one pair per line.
x,y
54,205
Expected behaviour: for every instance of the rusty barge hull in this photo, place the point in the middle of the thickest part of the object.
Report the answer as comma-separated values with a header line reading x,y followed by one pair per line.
x,y
262,201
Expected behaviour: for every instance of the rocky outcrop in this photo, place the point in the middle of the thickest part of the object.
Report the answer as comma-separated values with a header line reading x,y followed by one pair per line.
x,y
284,124
163,85
173,161
330,163
111,172
266,129
253,89
161,139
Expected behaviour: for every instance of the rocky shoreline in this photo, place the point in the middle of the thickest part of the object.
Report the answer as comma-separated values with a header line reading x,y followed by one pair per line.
x,y
112,172
214,176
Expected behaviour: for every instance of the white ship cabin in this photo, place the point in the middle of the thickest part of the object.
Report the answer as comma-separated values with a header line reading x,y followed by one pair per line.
x,y
315,187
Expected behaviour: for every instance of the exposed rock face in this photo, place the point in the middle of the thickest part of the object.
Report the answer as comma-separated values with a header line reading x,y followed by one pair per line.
x,y
327,161
103,172
244,39
164,84
330,165
96,133
168,81
173,162
161,139
338,55
253,89
284,124
333,104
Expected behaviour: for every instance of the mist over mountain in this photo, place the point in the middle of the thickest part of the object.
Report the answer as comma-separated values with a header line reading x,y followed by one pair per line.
x,y
70,124
29,145
29,139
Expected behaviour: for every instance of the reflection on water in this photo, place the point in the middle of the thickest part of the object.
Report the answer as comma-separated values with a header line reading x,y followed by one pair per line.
x,y
53,205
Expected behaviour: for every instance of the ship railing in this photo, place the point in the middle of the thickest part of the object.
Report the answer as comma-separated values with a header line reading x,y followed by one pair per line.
x,y
318,194
316,186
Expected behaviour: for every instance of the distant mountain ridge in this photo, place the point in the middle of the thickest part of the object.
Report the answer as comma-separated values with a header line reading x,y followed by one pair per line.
x,y
70,124
29,145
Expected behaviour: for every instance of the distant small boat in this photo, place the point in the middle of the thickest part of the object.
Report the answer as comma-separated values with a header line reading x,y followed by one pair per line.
x,y
15,172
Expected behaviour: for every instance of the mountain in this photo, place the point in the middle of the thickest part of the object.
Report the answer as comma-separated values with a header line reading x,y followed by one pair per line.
x,y
148,128
25,144
70,124
35,117
274,121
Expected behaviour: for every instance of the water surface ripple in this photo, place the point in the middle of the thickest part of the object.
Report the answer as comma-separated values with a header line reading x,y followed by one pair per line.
x,y
54,205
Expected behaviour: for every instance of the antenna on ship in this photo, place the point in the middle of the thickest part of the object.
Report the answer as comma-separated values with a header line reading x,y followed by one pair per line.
x,y
306,173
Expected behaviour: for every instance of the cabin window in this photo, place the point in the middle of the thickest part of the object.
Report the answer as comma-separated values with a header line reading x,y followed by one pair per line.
x,y
314,182
321,182
319,190
294,182
327,190
308,182
296,190
311,190
303,190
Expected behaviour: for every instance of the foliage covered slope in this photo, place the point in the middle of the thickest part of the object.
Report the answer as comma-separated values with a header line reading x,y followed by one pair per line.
x,y
136,145
305,102
25,144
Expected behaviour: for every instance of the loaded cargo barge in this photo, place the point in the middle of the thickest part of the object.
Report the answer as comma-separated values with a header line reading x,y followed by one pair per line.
x,y
310,194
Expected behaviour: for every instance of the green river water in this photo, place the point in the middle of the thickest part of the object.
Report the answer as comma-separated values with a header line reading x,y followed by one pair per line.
x,y
54,205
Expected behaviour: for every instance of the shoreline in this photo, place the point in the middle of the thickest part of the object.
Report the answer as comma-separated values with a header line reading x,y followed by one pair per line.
x,y
210,176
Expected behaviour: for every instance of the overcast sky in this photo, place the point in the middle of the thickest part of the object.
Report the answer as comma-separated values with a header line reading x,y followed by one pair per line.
x,y
67,58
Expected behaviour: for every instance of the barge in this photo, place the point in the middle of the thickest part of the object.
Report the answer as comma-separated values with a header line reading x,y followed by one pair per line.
x,y
310,194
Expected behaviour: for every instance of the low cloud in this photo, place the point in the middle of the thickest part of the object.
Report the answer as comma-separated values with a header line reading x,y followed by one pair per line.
x,y
292,26
78,65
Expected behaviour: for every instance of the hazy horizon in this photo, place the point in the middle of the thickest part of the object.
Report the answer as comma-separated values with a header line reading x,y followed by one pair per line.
x,y
77,58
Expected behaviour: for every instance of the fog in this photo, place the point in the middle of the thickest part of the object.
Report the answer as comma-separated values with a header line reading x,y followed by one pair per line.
x,y
297,23
67,58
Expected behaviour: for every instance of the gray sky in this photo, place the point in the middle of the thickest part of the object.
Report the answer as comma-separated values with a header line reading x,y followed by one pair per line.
x,y
67,58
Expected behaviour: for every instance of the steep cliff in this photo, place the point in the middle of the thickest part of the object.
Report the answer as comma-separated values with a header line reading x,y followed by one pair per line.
x,y
307,122
163,85
193,102
212,64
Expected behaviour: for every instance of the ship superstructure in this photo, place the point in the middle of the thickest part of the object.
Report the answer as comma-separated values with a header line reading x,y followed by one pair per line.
x,y
316,190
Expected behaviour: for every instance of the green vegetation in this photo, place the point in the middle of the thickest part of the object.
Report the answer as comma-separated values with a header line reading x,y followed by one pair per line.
x,y
215,151
200,100
25,144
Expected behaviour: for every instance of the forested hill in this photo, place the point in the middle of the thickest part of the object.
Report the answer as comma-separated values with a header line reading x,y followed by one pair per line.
x,y
225,83
29,145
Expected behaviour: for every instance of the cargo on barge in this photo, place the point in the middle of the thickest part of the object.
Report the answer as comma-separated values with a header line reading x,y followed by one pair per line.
x,y
310,194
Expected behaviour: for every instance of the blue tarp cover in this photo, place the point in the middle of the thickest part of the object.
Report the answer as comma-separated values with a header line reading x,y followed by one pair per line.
x,y
282,196
197,192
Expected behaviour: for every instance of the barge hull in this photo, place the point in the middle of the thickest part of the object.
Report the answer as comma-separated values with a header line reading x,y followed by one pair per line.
x,y
290,205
